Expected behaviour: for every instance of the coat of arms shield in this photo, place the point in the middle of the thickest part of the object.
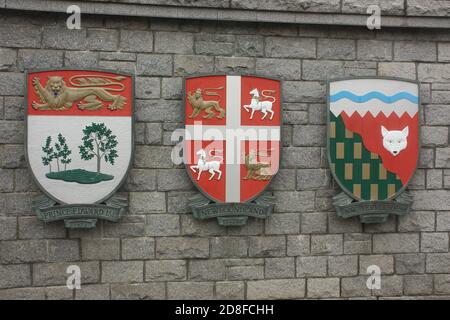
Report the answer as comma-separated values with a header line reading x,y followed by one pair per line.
x,y
373,145
232,144
79,143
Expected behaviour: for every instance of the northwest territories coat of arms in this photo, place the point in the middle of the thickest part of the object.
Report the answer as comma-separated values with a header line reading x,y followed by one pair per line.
x,y
232,145
373,145
79,143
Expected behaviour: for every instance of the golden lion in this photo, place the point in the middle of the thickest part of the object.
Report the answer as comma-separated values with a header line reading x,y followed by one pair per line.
x,y
198,104
254,168
57,96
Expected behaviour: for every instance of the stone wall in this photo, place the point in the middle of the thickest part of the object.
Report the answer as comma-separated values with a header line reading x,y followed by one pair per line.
x,y
158,250
388,7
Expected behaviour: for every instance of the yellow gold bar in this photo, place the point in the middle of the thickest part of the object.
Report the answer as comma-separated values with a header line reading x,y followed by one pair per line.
x,y
348,173
348,133
373,192
340,150
383,173
333,129
357,190
391,189
366,171
373,155
357,150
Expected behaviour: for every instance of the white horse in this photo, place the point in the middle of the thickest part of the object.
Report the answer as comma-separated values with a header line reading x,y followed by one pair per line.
x,y
202,165
264,106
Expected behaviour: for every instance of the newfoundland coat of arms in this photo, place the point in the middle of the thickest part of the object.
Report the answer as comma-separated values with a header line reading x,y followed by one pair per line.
x,y
232,145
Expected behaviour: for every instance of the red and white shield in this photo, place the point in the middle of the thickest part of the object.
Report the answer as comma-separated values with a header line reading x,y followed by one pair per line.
x,y
232,137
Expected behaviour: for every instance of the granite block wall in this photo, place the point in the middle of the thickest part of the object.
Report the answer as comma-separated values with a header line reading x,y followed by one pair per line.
x,y
158,251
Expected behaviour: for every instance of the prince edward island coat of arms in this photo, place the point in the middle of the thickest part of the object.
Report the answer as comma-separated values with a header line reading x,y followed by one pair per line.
x,y
232,145
373,145
79,143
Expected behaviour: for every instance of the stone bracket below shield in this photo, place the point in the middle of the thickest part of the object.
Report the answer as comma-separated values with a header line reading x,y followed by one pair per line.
x,y
372,211
79,216
232,214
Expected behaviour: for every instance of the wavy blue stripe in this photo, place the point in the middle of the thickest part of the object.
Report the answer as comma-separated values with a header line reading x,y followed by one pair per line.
x,y
374,95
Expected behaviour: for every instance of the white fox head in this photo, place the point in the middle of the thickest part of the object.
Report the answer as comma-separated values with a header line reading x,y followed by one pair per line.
x,y
395,141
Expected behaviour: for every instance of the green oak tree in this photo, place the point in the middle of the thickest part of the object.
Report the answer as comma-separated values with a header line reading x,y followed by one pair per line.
x,y
98,142
48,153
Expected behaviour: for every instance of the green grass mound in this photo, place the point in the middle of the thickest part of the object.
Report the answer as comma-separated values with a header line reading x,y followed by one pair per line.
x,y
79,176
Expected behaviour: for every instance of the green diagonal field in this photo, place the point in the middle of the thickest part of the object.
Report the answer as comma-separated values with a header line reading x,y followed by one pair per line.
x,y
357,182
